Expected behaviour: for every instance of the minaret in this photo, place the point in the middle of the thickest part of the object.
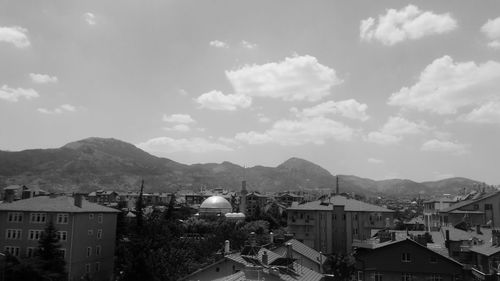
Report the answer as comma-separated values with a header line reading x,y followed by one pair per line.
x,y
243,198
337,192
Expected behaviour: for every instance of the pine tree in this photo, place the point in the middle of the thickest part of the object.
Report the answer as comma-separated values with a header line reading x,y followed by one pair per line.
x,y
49,259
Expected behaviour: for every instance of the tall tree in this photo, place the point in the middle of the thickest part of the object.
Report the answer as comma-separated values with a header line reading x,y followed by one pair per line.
x,y
139,210
49,259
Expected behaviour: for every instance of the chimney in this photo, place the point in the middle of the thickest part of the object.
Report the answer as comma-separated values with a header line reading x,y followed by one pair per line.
x,y
271,237
289,255
9,196
252,239
447,237
478,229
78,199
265,258
227,247
393,236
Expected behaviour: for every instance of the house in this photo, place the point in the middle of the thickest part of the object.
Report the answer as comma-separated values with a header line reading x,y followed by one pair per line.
x,y
405,260
103,197
86,232
255,202
304,255
486,258
431,211
288,198
330,225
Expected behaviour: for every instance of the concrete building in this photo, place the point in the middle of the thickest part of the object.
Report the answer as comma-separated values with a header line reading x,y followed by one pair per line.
x,y
432,209
483,209
330,225
86,232
255,202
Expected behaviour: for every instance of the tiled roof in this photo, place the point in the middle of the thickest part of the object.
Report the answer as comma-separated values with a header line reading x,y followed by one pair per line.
x,y
55,204
303,250
468,202
351,205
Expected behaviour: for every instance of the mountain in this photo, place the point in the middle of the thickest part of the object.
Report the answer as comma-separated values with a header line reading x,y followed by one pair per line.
x,y
98,163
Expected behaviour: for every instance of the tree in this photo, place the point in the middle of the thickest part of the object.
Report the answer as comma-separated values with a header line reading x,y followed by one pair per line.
x,y
341,266
49,260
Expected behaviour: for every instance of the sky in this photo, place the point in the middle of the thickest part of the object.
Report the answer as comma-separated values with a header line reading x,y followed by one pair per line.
x,y
378,89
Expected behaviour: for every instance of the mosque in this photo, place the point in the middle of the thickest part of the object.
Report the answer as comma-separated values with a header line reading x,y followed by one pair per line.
x,y
217,206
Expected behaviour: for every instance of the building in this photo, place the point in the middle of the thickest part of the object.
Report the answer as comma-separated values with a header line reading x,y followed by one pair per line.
x,y
103,197
486,258
86,232
255,202
303,255
482,209
288,198
330,225
215,206
431,211
405,260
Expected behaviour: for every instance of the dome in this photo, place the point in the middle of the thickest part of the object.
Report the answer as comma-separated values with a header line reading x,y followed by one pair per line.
x,y
214,205
216,202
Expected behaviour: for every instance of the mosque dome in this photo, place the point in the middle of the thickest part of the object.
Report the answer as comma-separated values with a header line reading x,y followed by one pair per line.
x,y
214,205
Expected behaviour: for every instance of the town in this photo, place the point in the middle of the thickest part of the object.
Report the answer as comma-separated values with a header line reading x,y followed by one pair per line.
x,y
218,234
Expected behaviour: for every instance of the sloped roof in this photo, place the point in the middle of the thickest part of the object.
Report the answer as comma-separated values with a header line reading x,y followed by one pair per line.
x,y
350,205
55,204
468,202
459,234
303,250
485,249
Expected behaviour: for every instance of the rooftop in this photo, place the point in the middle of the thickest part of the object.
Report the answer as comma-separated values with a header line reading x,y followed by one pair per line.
x,y
54,204
468,202
303,250
350,205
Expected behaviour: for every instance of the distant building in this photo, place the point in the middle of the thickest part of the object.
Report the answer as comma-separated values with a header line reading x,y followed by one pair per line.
x,y
103,197
288,198
482,209
432,208
86,232
255,202
330,225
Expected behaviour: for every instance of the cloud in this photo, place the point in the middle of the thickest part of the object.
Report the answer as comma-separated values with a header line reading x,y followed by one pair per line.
x,y
248,45
346,108
15,35
445,86
488,113
262,118
492,30
43,78
13,95
294,79
216,100
178,128
315,130
58,110
178,118
394,129
436,145
218,44
409,23
375,161
171,145
89,18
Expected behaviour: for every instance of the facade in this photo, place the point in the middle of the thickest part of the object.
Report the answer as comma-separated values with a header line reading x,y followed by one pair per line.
x,y
431,212
86,232
405,260
255,201
331,225
483,209
288,198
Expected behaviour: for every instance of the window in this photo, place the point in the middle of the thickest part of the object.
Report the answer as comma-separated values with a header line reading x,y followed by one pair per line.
x,y
90,232
488,206
355,231
434,259
62,252
62,235
12,250
355,217
34,234
406,257
15,217
30,252
99,218
89,251
97,266
91,216
38,217
334,216
62,218
99,233
98,250
14,234
406,277
360,276
343,217
436,277
87,268
377,276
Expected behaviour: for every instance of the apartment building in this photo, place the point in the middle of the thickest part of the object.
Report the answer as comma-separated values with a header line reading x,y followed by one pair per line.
x,y
482,209
86,232
432,207
330,225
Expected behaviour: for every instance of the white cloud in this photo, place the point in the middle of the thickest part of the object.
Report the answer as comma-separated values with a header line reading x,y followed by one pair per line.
x,y
248,45
492,30
409,23
216,100
294,79
486,113
436,145
171,145
90,18
298,132
58,110
394,129
178,128
263,119
15,35
347,108
445,86
375,161
178,118
218,44
13,95
43,78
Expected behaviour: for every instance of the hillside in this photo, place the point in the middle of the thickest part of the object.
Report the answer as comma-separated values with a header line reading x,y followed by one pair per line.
x,y
98,163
